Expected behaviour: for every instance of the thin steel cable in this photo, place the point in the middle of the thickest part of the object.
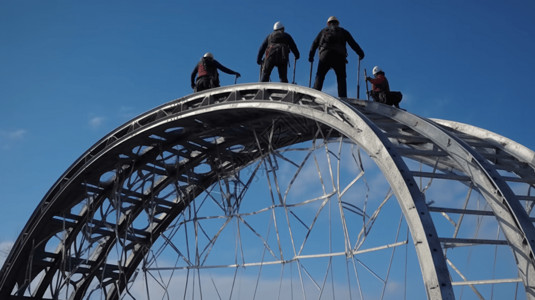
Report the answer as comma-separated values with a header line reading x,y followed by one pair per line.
x,y
391,257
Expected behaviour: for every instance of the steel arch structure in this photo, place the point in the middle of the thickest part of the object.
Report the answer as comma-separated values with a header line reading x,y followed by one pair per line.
x,y
190,144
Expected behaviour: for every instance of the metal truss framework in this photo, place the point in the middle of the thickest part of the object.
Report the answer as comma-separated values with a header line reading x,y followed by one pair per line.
x,y
213,134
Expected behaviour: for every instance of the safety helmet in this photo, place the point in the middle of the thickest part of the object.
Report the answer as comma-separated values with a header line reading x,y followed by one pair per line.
x,y
332,19
376,70
278,26
208,55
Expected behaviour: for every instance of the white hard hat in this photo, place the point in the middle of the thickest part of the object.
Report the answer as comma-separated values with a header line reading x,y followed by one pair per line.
x,y
332,19
208,55
278,26
376,70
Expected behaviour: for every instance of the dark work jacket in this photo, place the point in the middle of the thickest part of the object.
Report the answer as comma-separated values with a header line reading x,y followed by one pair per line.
x,y
209,68
275,38
337,43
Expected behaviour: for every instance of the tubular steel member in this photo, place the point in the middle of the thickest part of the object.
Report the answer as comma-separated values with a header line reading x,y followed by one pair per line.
x,y
367,91
295,65
310,75
358,81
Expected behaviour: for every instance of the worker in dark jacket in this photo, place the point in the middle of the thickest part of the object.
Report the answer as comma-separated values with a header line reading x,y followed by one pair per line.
x,y
276,48
331,42
207,75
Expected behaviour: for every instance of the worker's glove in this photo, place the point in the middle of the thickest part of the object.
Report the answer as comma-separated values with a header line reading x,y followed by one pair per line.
x,y
238,75
361,57
193,86
311,59
259,61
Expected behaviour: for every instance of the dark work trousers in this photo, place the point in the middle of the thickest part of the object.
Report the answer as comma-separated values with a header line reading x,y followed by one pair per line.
x,y
337,62
204,83
269,64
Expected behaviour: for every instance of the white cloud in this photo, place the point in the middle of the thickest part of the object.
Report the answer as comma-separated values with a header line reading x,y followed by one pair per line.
x,y
5,247
219,286
8,137
16,134
127,112
331,89
96,122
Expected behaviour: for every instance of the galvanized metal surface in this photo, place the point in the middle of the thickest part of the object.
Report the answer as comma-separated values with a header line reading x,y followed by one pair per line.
x,y
460,152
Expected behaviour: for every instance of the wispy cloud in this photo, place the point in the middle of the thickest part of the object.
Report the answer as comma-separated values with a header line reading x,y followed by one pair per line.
x,y
331,89
102,121
5,248
127,112
243,286
16,134
96,122
8,137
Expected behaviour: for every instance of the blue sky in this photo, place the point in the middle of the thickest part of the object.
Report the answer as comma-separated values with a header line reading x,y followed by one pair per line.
x,y
72,71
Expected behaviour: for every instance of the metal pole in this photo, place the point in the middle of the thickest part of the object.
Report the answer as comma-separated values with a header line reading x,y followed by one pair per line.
x,y
358,82
310,76
367,92
295,62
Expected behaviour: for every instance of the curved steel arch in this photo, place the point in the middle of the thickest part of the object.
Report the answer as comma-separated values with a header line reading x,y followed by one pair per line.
x,y
513,218
209,127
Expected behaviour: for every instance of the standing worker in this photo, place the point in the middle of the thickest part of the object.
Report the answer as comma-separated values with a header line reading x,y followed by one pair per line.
x,y
206,72
276,47
331,42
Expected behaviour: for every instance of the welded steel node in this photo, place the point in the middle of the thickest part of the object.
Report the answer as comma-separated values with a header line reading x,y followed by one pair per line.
x,y
265,190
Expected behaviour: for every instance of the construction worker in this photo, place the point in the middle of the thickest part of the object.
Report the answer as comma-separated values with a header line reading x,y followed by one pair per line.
x,y
206,72
331,42
381,89
276,47
380,86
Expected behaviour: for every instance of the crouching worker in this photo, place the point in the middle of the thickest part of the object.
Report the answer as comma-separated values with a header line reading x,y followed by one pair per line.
x,y
381,89
206,73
